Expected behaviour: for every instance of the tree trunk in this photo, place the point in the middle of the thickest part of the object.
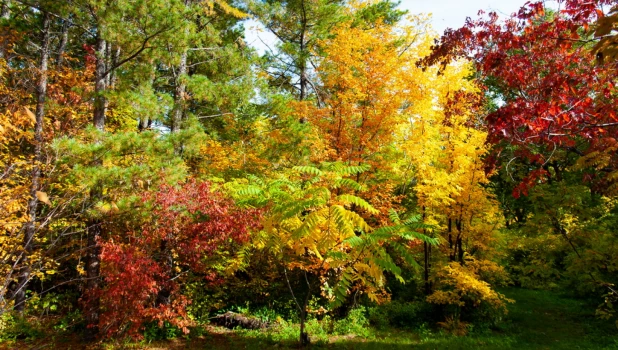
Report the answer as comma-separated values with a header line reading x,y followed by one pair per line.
x,y
114,57
93,257
179,94
451,254
302,61
459,242
427,258
5,12
30,227
144,121
304,337
100,86
93,268
64,40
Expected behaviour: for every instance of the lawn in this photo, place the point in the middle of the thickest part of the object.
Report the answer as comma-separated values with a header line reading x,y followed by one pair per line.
x,y
537,320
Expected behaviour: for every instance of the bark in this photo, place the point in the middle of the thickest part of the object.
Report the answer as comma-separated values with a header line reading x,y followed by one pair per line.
x,y
302,310
115,57
93,268
163,297
100,86
450,240
427,258
64,40
5,12
459,242
93,255
304,337
179,94
302,63
30,227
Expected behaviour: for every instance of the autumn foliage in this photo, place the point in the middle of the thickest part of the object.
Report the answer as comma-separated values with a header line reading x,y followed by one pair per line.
x,y
156,171
191,226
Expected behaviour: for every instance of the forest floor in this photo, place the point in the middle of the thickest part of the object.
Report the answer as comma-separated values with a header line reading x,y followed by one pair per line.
x,y
537,320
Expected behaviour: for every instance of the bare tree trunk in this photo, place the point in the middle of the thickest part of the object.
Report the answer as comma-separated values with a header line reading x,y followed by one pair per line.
x,y
64,40
179,94
93,258
5,12
100,86
115,56
427,258
30,227
302,63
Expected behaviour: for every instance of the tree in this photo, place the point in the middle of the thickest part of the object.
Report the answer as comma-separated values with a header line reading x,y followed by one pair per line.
x,y
192,226
298,25
311,227
554,95
555,122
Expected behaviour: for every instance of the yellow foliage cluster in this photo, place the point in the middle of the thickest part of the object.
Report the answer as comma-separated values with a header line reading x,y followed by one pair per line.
x,y
16,122
372,83
462,285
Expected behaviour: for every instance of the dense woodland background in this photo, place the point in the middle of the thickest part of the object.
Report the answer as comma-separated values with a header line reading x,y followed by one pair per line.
x,y
156,172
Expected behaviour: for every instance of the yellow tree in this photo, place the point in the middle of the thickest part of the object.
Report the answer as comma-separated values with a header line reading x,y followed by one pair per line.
x,y
446,149
369,87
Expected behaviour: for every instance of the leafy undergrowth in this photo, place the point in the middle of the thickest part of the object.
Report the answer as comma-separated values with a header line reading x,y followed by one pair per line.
x,y
538,320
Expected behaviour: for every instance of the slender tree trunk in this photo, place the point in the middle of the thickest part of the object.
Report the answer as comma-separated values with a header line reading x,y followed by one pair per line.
x,y
179,94
460,250
451,255
100,86
93,257
144,121
427,256
115,56
302,62
64,40
459,242
304,337
30,227
5,11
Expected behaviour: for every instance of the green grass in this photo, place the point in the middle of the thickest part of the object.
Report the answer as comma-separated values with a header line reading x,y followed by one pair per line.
x,y
537,320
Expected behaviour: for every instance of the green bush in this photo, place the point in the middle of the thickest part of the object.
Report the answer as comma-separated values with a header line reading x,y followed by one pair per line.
x,y
355,323
14,327
400,315
153,332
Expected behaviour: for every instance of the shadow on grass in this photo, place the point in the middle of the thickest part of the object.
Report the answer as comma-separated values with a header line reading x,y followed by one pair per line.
x,y
538,320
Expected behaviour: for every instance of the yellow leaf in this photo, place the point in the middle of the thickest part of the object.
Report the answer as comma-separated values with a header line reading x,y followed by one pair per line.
x,y
42,196
30,114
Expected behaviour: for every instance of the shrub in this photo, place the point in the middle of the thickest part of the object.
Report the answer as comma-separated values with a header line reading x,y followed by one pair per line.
x,y
399,315
355,323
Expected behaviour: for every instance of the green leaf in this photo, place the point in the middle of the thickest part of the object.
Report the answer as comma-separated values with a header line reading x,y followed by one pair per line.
x,y
308,170
359,202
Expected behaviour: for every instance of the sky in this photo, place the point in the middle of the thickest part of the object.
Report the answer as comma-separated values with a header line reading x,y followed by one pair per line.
x,y
446,13
453,13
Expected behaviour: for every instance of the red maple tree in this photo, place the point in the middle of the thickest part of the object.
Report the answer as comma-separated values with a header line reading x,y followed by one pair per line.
x,y
553,93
